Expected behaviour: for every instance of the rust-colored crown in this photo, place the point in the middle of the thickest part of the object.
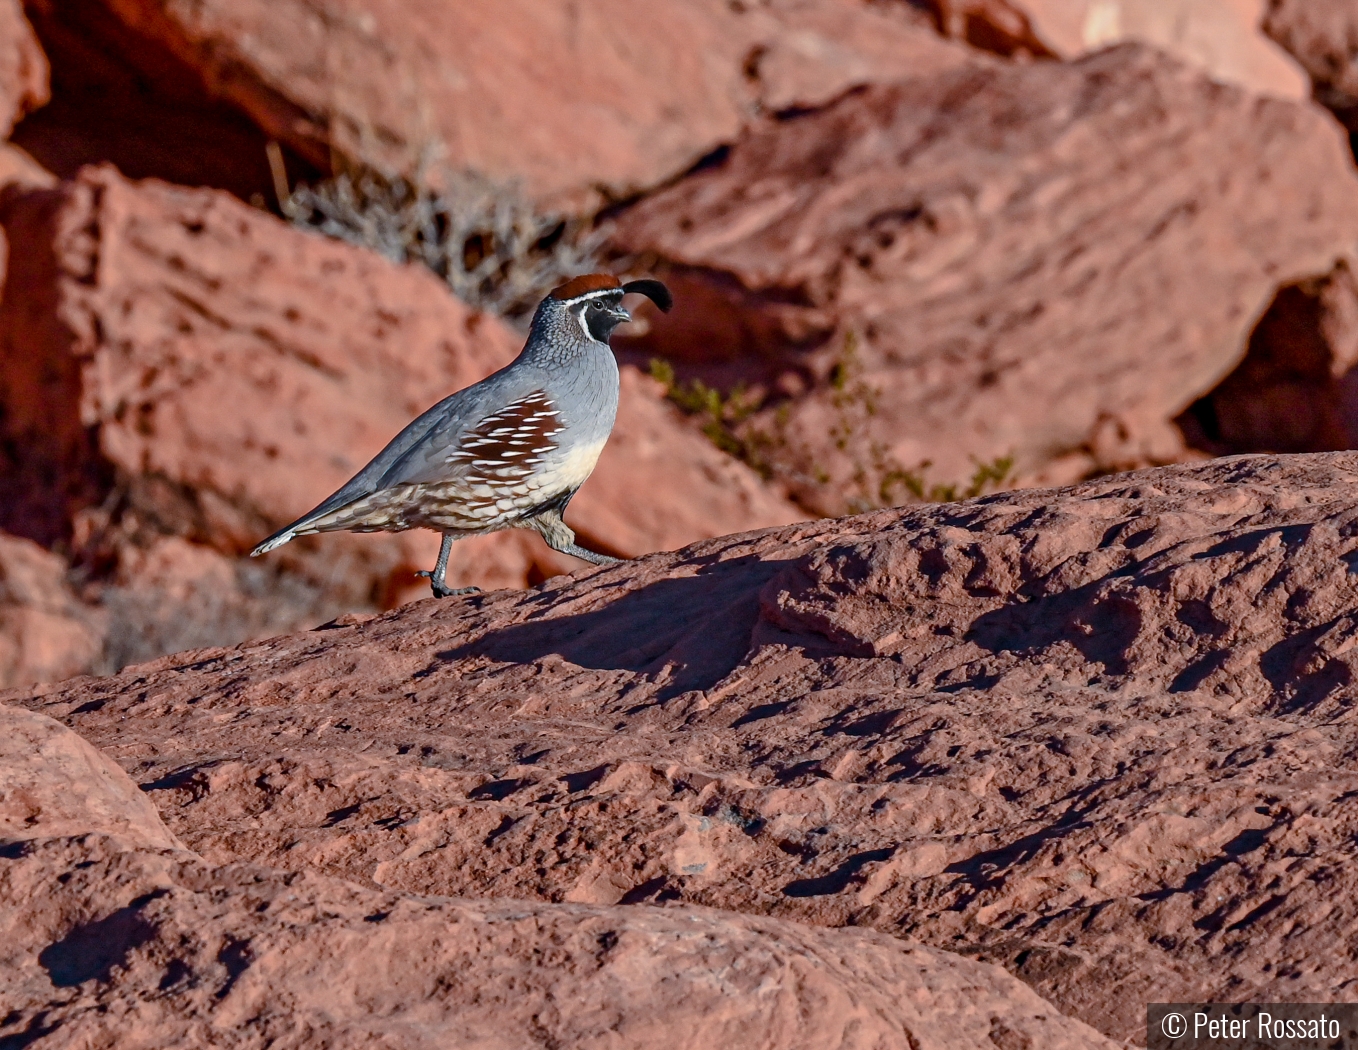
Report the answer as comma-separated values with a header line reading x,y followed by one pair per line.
x,y
590,282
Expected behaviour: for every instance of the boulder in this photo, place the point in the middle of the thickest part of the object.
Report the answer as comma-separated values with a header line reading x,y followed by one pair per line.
x,y
1096,735
1296,390
181,374
580,103
139,950
1037,265
23,67
46,633
1323,36
55,785
1222,37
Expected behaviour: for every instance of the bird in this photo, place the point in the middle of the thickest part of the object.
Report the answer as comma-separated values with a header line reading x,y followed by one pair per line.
x,y
507,452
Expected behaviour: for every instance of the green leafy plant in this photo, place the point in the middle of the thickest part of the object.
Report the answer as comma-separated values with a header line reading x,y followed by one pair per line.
x,y
882,481
987,476
876,481
721,413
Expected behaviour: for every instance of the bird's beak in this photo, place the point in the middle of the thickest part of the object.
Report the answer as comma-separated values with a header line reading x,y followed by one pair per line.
x,y
619,314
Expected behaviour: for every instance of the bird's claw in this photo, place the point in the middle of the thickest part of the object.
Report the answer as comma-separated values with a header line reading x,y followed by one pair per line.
x,y
442,590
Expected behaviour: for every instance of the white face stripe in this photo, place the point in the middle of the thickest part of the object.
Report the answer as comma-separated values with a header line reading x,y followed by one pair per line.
x,y
593,295
576,306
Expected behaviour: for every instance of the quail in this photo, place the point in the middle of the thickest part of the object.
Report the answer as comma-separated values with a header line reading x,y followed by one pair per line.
x,y
507,452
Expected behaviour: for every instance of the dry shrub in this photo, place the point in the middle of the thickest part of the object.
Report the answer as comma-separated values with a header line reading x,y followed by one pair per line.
x,y
494,250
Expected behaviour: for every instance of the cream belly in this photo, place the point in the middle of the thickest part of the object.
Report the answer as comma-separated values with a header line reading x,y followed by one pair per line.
x,y
572,470
486,507
483,505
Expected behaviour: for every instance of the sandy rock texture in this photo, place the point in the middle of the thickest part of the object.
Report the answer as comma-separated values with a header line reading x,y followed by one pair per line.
x,y
46,632
54,784
1323,36
182,374
1047,262
141,949
23,67
115,936
1099,736
591,100
1223,37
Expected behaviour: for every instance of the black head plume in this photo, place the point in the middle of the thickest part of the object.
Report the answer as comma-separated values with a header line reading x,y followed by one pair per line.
x,y
652,290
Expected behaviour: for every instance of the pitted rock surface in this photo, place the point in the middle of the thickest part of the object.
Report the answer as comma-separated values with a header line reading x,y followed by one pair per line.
x,y
54,784
1101,736
181,374
587,101
1044,262
1322,35
143,949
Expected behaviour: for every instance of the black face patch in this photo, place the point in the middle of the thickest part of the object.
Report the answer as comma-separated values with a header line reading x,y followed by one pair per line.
x,y
601,317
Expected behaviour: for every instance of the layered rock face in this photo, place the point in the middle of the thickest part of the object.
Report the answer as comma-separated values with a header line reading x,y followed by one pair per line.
x,y
587,102
1096,735
114,935
1222,37
181,374
23,67
1323,36
1045,263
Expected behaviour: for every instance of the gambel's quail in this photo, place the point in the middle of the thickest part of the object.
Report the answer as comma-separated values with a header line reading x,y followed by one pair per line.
x,y
507,452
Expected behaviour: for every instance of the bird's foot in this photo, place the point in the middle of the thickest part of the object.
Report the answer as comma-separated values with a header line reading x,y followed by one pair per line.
x,y
593,557
442,590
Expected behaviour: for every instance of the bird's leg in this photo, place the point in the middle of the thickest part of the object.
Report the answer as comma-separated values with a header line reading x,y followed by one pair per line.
x,y
437,578
560,537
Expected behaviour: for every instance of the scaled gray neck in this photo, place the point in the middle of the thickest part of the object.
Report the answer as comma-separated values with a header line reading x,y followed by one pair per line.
x,y
557,339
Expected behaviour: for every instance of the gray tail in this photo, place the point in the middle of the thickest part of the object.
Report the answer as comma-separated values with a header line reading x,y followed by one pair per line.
x,y
276,540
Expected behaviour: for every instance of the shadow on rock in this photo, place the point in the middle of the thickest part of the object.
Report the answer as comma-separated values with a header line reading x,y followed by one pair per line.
x,y
697,626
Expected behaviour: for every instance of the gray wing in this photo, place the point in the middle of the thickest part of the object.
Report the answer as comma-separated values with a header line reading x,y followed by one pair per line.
x,y
410,456
499,444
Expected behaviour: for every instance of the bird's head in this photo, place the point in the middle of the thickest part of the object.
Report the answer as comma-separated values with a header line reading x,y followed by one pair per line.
x,y
594,303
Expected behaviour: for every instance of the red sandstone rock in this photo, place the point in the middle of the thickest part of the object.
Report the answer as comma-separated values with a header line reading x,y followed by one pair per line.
x,y
1047,262
18,168
661,485
578,97
23,67
119,98
1096,735
1323,36
46,634
112,935
131,950
1222,37
53,784
229,372
1296,390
